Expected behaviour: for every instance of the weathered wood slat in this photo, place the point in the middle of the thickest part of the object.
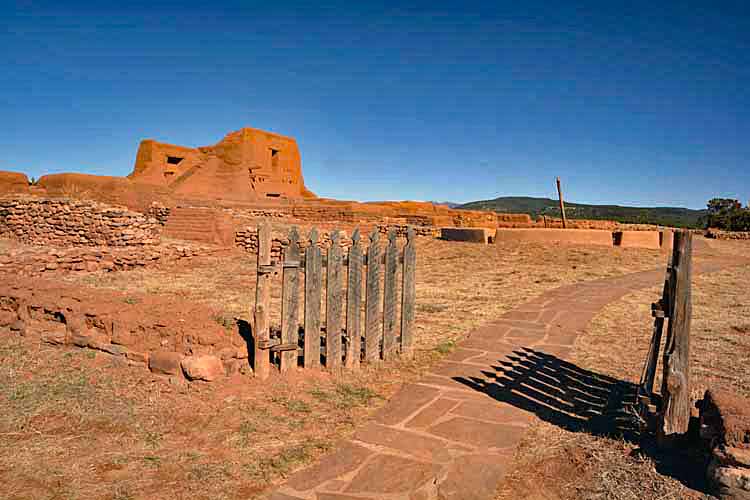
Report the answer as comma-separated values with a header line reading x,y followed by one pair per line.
x,y
675,410
313,286
373,329
409,293
261,333
290,301
390,296
334,303
354,303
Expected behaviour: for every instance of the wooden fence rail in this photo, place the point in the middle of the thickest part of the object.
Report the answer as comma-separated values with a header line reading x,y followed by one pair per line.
x,y
345,341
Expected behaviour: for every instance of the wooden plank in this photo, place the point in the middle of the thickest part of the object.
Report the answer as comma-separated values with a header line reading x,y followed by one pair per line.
x,y
656,337
313,288
261,330
562,205
373,329
409,294
334,303
390,296
354,303
290,301
675,410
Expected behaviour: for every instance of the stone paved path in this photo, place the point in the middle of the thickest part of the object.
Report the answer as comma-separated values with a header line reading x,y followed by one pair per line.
x,y
450,434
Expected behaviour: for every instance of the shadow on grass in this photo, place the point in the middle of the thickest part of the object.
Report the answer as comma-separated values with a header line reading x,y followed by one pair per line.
x,y
579,400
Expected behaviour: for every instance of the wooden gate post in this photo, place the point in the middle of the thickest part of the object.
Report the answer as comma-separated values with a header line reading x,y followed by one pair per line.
x,y
313,285
261,331
409,294
334,300
674,416
290,304
389,297
353,303
373,330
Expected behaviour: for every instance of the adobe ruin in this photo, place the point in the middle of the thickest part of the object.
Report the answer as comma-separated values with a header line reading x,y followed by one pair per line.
x,y
246,165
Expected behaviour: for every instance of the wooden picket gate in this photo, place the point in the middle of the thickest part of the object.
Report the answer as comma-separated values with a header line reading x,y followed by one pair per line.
x,y
343,342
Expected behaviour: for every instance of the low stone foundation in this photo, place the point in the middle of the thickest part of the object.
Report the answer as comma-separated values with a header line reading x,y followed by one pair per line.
x,y
175,338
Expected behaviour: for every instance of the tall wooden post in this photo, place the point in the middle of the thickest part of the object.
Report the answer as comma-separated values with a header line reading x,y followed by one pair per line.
x,y
373,327
261,331
354,303
674,416
334,303
390,296
313,285
290,303
409,294
562,204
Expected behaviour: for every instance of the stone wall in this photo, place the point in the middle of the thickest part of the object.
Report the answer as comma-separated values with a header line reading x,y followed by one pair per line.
x,y
246,238
40,261
727,235
177,338
64,222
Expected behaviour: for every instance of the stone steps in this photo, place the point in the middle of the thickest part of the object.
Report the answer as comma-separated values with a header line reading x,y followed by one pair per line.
x,y
200,225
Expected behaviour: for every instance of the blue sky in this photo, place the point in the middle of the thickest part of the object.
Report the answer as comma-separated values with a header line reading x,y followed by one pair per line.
x,y
643,103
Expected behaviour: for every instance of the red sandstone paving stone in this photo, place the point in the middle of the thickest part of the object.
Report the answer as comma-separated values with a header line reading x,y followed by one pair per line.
x,y
460,354
573,320
345,459
561,352
430,414
404,403
499,412
283,496
392,474
419,446
485,343
510,323
447,383
483,435
342,496
522,315
525,337
559,336
548,315
473,477
450,369
334,485
493,358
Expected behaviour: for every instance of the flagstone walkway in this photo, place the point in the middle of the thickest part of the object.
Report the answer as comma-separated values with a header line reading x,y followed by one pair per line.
x,y
450,434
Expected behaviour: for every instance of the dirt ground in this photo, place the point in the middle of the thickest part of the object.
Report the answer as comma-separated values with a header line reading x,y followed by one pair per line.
x,y
557,464
81,425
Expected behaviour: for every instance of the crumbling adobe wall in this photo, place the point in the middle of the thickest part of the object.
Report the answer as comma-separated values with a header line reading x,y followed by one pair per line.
x,y
13,182
63,222
174,338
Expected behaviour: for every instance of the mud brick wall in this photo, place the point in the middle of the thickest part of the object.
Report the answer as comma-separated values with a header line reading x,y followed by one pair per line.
x,y
66,222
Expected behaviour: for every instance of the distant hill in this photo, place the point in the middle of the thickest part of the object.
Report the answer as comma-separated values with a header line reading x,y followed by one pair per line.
x,y
666,216
448,204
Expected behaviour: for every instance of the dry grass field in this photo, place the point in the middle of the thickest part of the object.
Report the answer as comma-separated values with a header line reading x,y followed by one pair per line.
x,y
78,424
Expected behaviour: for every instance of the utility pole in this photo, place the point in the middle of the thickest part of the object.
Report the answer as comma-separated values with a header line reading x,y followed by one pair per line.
x,y
562,205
